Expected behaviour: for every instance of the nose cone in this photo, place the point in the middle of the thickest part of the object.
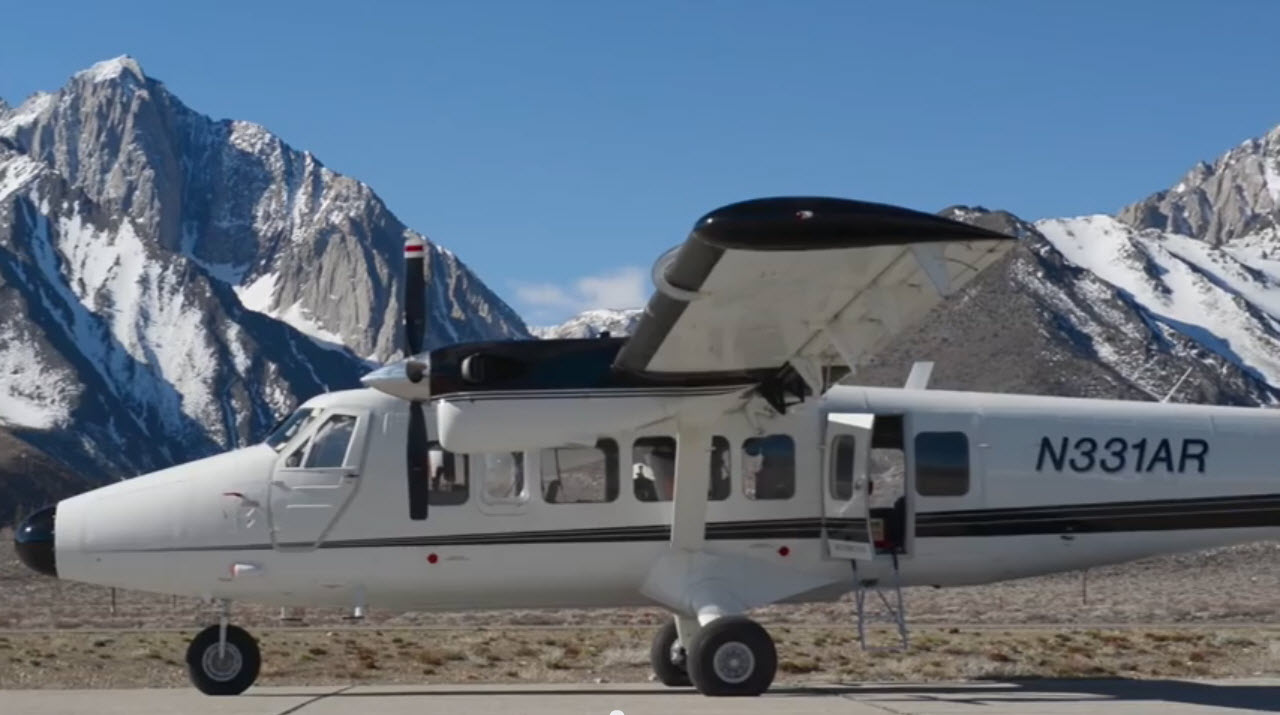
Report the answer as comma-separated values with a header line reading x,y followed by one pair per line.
x,y
34,541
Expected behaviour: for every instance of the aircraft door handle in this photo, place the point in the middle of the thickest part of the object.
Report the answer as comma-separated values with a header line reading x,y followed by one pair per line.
x,y
282,484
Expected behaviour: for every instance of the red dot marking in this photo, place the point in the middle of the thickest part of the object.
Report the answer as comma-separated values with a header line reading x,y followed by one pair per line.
x,y
784,551
432,558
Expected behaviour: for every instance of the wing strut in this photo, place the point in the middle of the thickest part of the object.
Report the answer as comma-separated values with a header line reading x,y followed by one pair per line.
x,y
693,477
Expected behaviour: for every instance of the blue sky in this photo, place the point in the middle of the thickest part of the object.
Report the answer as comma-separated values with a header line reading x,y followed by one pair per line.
x,y
559,147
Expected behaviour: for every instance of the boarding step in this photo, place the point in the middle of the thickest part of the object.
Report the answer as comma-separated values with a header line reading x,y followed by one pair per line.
x,y
890,597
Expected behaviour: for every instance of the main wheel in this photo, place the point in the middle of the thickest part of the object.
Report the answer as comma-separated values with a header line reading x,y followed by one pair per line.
x,y
668,658
230,672
732,655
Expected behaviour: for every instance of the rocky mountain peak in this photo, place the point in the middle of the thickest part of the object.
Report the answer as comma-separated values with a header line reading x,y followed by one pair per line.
x,y
171,284
294,239
113,69
1236,195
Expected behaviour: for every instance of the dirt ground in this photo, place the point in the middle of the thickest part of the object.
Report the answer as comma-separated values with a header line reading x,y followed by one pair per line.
x,y
83,659
1206,614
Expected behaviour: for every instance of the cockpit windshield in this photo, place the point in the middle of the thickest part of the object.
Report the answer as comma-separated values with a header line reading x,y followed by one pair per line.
x,y
289,426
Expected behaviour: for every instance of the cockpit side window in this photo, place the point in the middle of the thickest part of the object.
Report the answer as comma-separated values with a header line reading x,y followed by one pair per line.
x,y
288,427
330,445
295,458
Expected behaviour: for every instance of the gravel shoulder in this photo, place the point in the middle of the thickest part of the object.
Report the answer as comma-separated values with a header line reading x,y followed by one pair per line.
x,y
1206,614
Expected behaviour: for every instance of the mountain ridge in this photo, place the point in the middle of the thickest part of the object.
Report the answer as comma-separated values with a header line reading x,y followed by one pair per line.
x,y
170,284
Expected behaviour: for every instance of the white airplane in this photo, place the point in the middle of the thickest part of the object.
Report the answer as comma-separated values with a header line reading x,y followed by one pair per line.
x,y
710,464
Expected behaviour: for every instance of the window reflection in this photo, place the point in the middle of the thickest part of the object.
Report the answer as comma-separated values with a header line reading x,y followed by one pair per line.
x,y
942,464
503,475
330,443
577,475
449,477
769,467
654,469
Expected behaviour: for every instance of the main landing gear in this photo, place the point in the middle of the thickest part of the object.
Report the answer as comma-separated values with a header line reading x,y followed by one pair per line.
x,y
667,656
223,659
732,655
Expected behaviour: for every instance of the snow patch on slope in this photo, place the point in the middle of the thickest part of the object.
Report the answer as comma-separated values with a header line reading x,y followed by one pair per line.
x,y
15,172
592,323
1203,292
31,393
26,113
142,300
259,295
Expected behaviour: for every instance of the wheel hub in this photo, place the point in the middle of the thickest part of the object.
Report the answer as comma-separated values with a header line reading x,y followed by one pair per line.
x,y
222,667
733,662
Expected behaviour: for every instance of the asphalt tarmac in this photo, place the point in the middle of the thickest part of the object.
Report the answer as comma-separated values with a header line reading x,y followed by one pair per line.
x,y
1165,697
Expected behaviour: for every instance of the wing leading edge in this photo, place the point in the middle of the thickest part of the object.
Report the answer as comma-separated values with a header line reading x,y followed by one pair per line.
x,y
805,282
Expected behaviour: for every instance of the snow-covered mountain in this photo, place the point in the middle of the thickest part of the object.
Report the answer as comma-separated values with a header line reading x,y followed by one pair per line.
x,y
1176,297
592,324
171,284
1102,307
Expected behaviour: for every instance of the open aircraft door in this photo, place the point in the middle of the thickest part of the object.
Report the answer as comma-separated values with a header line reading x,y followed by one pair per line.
x,y
846,494
316,478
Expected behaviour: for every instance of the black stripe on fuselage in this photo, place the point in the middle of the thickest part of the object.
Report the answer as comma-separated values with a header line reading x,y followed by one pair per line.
x,y
1239,512
1262,510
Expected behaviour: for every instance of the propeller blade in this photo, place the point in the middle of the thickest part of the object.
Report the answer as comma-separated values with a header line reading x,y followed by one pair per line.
x,y
415,290
417,462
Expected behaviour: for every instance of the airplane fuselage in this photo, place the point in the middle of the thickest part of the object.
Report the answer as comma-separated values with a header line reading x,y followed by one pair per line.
x,y
1049,484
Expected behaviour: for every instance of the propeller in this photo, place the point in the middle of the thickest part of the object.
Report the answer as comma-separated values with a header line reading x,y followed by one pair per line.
x,y
415,323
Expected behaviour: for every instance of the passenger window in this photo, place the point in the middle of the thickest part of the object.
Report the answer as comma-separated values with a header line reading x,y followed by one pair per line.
x,y
843,449
503,475
329,446
942,464
577,475
719,488
449,477
769,467
654,469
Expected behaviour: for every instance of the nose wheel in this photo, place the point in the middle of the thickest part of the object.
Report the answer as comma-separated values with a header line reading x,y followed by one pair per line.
x,y
668,658
223,666
732,656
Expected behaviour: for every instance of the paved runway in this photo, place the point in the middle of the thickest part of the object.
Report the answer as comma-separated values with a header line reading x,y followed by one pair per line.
x,y
1166,697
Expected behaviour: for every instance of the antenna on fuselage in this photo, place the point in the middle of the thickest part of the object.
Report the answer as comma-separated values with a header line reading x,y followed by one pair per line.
x,y
415,324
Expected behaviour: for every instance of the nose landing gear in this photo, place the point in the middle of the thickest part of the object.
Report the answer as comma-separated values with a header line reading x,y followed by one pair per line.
x,y
223,659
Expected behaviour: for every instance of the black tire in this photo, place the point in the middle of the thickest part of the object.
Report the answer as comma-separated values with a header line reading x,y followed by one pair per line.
x,y
667,657
232,677
747,658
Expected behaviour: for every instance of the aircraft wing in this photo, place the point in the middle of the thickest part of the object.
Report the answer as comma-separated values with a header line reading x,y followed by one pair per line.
x,y
815,282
